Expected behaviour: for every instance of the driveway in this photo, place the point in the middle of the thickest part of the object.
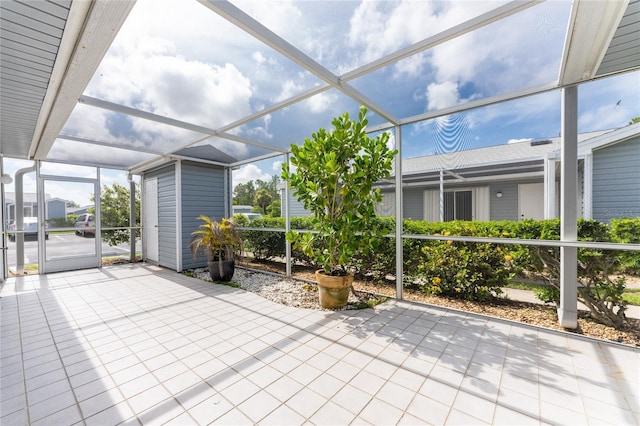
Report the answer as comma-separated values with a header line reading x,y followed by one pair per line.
x,y
63,245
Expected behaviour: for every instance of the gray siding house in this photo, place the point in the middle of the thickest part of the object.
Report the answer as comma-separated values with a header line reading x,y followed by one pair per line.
x,y
55,208
521,180
518,181
175,194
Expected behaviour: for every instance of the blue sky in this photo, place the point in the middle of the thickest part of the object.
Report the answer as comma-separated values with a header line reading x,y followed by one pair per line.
x,y
179,59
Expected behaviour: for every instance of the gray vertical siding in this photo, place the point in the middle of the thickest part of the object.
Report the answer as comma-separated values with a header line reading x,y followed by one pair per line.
x,y
56,209
296,209
504,208
166,215
616,181
202,193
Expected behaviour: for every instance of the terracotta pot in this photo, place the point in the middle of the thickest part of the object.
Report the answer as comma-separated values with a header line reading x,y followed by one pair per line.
x,y
333,290
228,268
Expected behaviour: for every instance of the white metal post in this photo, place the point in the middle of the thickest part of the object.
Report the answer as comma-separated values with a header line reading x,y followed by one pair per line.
x,y
132,219
399,216
568,310
549,188
587,198
441,195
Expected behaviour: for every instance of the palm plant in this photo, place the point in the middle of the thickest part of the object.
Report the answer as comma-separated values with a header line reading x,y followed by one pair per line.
x,y
220,241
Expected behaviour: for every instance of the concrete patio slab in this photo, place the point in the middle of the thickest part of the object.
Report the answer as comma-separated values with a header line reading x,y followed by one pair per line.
x,y
138,344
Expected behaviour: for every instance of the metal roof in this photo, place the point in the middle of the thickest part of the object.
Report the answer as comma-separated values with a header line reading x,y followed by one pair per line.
x,y
50,51
514,160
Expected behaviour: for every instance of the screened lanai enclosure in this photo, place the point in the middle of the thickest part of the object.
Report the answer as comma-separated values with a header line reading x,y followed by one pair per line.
x,y
499,110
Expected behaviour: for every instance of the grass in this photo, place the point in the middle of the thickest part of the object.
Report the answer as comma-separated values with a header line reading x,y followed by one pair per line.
x,y
632,296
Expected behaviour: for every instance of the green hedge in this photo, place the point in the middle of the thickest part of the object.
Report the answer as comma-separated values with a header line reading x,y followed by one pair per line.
x,y
473,270
627,231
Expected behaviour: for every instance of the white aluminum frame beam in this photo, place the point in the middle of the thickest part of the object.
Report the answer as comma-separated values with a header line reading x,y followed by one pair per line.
x,y
461,29
110,106
245,22
109,144
568,309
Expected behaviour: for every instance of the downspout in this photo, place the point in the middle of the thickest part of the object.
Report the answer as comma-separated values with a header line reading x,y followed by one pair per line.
x,y
20,217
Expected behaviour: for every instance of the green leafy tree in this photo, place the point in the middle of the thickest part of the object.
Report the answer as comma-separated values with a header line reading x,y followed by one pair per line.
x,y
244,193
256,193
275,208
114,211
334,177
634,120
262,199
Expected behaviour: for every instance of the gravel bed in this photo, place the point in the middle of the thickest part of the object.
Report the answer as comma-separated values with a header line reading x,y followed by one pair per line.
x,y
285,291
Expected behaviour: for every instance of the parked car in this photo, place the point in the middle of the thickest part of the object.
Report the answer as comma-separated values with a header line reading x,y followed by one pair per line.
x,y
252,216
30,229
86,225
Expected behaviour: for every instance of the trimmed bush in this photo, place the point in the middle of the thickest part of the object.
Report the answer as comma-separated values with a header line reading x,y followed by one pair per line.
x,y
627,231
477,271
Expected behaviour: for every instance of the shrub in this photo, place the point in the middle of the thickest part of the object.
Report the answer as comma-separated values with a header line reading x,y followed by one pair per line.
x,y
628,231
596,288
471,271
265,245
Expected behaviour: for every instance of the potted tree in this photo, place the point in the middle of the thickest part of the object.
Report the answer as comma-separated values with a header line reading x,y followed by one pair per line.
x,y
333,175
221,242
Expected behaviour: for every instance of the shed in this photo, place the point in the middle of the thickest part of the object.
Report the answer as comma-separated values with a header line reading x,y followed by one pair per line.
x,y
174,195
56,208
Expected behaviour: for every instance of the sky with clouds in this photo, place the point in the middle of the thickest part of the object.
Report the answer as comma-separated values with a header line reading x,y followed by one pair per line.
x,y
179,59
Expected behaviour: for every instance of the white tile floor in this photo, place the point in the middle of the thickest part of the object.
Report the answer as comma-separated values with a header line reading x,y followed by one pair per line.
x,y
140,344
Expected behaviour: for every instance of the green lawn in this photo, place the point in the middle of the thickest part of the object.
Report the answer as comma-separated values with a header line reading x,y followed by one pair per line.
x,y
632,296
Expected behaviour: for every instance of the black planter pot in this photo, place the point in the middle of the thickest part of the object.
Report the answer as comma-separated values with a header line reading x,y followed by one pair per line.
x,y
222,271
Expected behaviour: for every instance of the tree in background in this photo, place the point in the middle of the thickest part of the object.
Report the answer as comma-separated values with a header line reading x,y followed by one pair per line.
x,y
114,212
244,193
262,200
274,209
260,194
634,120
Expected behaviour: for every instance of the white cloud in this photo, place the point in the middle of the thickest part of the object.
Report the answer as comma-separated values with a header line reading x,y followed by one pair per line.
x,y
604,117
321,102
277,166
275,15
249,172
442,95
261,131
170,85
289,88
258,57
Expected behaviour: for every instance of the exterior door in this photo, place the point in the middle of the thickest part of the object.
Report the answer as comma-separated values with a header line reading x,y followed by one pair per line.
x,y
531,201
150,220
62,248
